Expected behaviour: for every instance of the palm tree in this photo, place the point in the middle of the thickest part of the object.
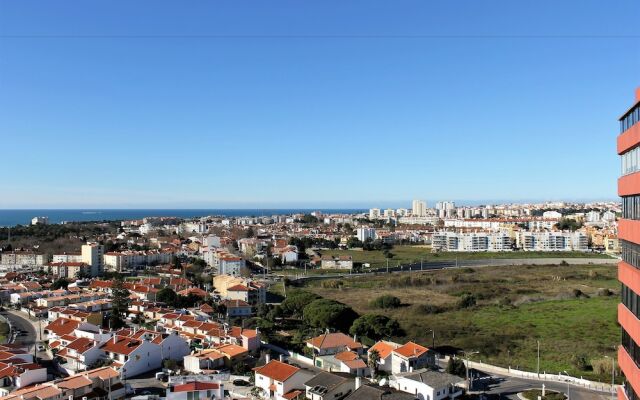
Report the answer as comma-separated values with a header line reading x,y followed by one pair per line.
x,y
374,358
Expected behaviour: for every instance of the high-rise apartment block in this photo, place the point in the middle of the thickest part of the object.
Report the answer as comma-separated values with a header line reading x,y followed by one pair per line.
x,y
92,254
629,234
419,208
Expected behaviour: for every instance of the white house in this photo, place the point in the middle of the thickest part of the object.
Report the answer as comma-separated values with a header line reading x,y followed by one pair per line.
x,y
384,350
280,381
428,385
411,356
196,390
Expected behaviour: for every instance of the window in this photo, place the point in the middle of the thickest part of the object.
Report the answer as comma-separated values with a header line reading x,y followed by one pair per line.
x,y
631,207
630,253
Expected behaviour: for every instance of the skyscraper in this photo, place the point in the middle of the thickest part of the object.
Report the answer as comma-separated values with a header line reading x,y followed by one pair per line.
x,y
419,208
629,234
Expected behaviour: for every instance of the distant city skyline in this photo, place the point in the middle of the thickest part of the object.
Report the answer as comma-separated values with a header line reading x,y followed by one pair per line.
x,y
152,104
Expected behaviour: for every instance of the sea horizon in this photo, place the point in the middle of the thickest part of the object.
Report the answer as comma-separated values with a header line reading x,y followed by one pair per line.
x,y
13,217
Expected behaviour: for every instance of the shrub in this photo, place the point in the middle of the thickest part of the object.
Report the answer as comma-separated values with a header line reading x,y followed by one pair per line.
x,y
602,366
580,362
385,301
577,293
430,309
505,302
604,292
467,301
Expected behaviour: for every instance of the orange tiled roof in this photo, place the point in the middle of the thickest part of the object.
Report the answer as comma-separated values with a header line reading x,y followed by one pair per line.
x,y
411,349
277,370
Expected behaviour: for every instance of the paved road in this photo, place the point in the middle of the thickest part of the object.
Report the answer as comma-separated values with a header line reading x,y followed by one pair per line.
x,y
21,321
437,265
509,387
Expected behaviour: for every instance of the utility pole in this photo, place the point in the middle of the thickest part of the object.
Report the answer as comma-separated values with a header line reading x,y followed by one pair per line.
x,y
538,369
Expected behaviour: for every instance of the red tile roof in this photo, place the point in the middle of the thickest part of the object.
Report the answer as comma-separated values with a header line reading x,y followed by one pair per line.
x,y
277,370
195,386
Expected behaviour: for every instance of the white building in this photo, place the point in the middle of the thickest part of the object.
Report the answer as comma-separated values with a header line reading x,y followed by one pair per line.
x,y
278,380
92,254
551,214
554,241
40,220
67,257
196,390
230,265
374,213
418,208
365,233
471,242
428,385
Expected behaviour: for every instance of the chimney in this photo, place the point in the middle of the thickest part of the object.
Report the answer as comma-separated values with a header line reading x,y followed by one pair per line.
x,y
281,357
267,358
638,94
115,340
358,382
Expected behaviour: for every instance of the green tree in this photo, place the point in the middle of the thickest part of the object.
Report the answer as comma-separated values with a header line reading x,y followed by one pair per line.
x,y
296,301
375,327
456,367
60,283
325,313
119,304
167,296
372,362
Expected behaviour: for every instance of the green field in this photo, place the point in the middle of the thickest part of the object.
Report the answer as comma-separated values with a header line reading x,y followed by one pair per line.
x,y
571,310
410,254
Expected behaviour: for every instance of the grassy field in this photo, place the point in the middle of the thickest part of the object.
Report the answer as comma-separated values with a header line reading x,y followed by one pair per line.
x,y
571,310
409,254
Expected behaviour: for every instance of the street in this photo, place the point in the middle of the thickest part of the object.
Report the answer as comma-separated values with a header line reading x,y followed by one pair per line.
x,y
509,387
20,321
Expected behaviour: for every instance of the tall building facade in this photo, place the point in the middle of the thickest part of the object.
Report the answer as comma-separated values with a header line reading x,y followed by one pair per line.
x,y
92,254
418,208
629,233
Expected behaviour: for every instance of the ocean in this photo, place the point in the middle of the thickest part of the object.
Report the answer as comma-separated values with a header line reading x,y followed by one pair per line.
x,y
23,217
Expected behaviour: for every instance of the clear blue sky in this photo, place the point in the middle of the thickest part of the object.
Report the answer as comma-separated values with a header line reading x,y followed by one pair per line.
x,y
311,103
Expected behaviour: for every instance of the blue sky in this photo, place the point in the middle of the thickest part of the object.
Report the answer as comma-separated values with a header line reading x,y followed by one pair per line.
x,y
315,103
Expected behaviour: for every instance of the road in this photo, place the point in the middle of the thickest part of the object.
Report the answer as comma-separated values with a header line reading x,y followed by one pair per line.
x,y
509,387
22,322
437,265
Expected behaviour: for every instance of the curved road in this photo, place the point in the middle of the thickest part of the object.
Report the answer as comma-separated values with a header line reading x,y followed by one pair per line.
x,y
23,324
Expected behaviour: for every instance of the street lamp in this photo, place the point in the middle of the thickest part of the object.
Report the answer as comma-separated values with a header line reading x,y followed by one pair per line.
x,y
433,339
568,387
467,354
613,375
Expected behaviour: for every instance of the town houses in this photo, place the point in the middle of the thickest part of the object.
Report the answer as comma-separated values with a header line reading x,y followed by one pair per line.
x,y
199,303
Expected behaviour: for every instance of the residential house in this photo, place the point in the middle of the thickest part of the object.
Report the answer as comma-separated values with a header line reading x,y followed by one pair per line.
x,y
333,343
428,385
196,390
329,386
411,356
281,381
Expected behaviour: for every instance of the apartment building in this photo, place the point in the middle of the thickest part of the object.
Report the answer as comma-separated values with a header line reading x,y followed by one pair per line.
x,y
471,242
628,146
92,254
365,233
554,241
123,260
